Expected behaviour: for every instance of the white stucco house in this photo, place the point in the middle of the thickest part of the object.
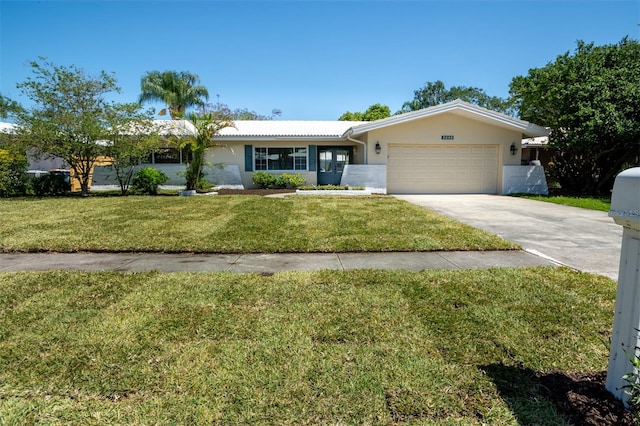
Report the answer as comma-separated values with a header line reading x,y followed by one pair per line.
x,y
455,147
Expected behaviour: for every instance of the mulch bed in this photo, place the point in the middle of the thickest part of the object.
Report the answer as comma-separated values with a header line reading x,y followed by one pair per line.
x,y
583,400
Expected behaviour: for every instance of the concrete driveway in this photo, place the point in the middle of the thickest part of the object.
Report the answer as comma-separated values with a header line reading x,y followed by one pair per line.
x,y
582,239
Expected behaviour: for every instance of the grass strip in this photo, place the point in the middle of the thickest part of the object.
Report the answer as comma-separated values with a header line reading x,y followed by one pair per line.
x,y
326,347
591,203
234,224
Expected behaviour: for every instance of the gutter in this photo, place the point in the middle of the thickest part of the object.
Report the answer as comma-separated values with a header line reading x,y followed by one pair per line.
x,y
364,144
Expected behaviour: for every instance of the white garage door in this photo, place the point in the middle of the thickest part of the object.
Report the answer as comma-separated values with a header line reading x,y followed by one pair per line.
x,y
442,169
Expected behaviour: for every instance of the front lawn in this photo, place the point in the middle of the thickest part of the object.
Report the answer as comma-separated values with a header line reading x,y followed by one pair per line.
x,y
592,203
235,224
328,347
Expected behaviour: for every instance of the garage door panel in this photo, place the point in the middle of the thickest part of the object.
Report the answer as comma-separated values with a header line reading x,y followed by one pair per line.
x,y
442,169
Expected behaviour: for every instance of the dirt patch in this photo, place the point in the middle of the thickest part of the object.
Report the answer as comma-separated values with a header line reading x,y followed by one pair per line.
x,y
583,400
255,191
580,397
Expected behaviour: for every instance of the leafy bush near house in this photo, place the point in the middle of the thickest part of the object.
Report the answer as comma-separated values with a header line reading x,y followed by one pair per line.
x,y
330,188
51,184
147,180
264,180
285,180
13,177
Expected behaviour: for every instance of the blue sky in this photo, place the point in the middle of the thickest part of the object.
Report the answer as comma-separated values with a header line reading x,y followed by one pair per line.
x,y
313,60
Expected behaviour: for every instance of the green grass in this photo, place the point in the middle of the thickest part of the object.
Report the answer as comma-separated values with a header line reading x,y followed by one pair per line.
x,y
234,224
591,203
327,347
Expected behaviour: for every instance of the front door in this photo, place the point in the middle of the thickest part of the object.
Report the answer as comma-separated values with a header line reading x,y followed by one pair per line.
x,y
331,162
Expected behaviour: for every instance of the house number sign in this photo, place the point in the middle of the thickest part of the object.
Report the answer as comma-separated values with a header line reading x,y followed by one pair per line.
x,y
446,137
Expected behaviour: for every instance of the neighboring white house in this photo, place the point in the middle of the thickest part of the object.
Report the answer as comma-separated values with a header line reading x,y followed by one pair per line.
x,y
455,147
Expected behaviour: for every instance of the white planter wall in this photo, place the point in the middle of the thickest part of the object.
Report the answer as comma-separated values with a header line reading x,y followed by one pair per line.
x,y
524,180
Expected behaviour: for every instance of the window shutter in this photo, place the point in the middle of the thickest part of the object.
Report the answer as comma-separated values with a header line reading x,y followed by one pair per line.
x,y
248,158
312,158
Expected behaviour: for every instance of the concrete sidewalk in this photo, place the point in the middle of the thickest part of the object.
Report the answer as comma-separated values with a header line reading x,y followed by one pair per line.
x,y
266,263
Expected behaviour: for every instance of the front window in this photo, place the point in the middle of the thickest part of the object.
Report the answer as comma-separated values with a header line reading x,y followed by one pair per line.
x,y
164,156
268,158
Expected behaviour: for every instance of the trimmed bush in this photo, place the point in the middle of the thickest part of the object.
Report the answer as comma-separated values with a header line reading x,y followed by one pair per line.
x,y
285,180
264,180
51,184
147,180
331,188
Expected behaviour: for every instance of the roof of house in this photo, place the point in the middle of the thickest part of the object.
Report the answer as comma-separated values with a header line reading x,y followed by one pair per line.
x,y
287,129
7,127
458,107
540,141
174,127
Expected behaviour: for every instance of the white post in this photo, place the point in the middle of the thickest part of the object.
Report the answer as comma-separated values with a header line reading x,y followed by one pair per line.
x,y
625,340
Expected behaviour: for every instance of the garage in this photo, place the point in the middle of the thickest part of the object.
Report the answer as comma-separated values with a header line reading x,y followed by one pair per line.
x,y
443,169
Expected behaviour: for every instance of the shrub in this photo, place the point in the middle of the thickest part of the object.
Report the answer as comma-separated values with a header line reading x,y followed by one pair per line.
x,y
51,184
287,180
330,187
204,185
264,180
13,177
147,180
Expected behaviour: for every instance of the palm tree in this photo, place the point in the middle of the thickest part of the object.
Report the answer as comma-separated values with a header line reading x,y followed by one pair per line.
x,y
206,125
179,90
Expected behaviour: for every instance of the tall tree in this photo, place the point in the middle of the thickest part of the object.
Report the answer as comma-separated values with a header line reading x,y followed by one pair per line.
x,y
373,113
436,93
179,90
69,116
591,101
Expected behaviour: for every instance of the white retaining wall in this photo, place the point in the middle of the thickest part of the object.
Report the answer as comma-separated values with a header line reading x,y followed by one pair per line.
x,y
524,180
372,176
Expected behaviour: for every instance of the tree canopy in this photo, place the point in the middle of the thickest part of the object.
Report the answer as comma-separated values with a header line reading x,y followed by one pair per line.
x,y
225,112
179,90
435,93
374,112
70,118
590,99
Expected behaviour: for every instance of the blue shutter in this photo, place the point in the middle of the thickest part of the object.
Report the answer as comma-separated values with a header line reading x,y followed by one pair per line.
x,y
313,156
248,158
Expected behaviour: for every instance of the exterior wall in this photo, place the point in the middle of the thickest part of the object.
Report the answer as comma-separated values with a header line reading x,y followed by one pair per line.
x,y
429,131
104,175
372,176
524,180
44,163
233,153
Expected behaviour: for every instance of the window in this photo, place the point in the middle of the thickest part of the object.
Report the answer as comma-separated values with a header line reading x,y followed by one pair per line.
x,y
294,158
164,156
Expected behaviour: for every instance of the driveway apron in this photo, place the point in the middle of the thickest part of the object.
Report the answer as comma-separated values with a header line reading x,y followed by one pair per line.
x,y
586,240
